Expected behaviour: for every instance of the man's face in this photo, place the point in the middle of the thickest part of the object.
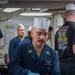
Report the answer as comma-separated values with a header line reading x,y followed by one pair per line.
x,y
39,36
20,31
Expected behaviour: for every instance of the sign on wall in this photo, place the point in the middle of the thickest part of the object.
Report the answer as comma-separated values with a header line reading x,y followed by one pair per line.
x,y
8,37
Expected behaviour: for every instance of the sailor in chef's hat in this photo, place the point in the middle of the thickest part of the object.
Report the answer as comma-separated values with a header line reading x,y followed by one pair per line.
x,y
70,12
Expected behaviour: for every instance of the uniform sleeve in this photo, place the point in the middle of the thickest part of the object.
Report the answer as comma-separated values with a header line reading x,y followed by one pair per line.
x,y
15,64
1,35
55,65
11,48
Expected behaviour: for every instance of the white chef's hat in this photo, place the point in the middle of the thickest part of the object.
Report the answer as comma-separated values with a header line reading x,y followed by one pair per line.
x,y
21,25
30,28
70,7
41,23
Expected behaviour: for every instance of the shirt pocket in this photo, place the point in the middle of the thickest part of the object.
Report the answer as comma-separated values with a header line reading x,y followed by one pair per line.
x,y
46,66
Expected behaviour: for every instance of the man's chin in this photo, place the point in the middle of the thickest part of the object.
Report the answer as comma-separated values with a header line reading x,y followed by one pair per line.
x,y
20,35
41,45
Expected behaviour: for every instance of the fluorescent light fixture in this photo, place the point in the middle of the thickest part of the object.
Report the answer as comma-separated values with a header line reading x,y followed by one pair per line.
x,y
35,14
36,9
42,10
11,9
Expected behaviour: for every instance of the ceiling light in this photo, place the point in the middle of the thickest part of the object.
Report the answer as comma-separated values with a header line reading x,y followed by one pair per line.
x,y
36,9
11,9
35,14
42,10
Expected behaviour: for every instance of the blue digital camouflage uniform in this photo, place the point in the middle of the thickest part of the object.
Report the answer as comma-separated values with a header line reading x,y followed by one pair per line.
x,y
24,59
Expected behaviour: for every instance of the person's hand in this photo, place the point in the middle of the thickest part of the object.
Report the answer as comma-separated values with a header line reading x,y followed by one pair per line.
x,y
31,73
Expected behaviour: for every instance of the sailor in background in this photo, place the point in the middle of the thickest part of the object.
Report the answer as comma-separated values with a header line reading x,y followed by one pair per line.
x,y
65,42
49,41
29,31
17,40
28,38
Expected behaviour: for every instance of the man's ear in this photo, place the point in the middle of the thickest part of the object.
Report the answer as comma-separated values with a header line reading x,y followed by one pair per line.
x,y
32,31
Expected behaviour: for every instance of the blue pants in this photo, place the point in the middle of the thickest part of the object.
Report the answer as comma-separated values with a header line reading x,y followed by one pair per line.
x,y
67,68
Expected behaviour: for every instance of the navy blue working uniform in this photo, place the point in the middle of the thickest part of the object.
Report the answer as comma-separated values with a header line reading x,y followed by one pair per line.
x,y
15,42
25,59
26,40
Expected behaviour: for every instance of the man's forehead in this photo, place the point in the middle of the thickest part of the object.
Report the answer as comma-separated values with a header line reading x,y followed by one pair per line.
x,y
20,27
35,29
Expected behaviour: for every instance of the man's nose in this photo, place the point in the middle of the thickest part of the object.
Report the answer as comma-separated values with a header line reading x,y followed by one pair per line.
x,y
42,36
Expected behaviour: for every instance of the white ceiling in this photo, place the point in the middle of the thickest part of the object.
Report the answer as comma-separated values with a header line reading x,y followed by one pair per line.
x,y
54,6
51,4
